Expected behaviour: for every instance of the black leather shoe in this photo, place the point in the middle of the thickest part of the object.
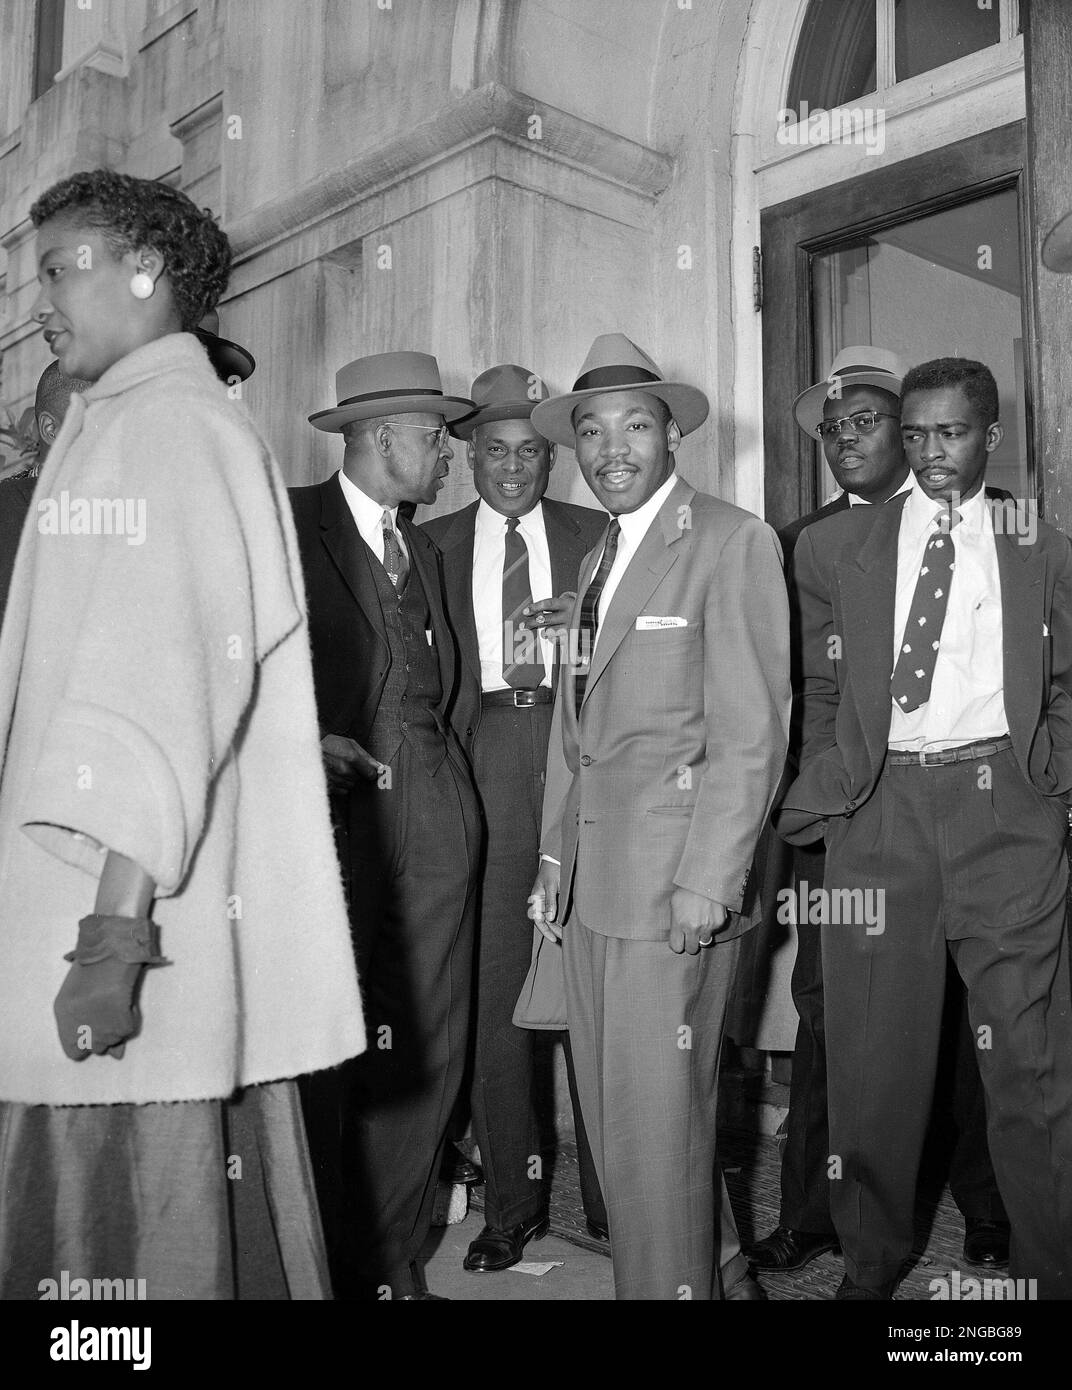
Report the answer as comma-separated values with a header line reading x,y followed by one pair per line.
x,y
745,1290
456,1168
598,1230
849,1292
785,1251
986,1244
494,1250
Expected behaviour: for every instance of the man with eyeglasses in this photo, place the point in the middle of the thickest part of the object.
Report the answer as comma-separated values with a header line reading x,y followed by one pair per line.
x,y
406,814
936,661
856,412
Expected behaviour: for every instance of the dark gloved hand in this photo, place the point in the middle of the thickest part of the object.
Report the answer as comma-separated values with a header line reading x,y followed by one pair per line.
x,y
94,1008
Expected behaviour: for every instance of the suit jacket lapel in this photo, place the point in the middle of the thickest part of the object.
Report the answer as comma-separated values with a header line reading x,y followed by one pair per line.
x,y
654,556
457,546
350,554
565,546
868,586
1021,571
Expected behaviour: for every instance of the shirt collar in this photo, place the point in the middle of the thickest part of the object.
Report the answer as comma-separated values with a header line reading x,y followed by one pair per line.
x,y
920,512
491,523
635,524
369,514
906,486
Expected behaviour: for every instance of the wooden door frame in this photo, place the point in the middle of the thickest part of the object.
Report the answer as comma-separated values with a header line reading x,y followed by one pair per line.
x,y
792,233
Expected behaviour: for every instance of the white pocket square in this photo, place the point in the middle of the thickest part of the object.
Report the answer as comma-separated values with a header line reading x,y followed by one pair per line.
x,y
645,624
1045,630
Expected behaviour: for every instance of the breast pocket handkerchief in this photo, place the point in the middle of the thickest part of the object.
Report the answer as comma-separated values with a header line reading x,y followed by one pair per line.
x,y
648,624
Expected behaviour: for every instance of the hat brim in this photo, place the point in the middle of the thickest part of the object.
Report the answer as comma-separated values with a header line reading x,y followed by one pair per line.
x,y
507,410
227,358
1057,248
808,406
687,404
450,407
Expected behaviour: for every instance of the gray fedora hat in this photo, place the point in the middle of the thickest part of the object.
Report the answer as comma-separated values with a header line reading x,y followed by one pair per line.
x,y
853,366
615,363
389,383
505,392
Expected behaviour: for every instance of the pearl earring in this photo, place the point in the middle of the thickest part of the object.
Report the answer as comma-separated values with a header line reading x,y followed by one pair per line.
x,y
142,285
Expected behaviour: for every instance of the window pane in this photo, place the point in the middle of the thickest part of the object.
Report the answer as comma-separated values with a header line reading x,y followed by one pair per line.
x,y
835,57
932,32
947,285
48,44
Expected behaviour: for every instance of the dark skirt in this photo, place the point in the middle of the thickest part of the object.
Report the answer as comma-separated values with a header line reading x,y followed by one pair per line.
x,y
198,1199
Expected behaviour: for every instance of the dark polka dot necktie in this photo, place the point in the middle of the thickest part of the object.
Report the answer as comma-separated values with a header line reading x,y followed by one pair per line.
x,y
913,672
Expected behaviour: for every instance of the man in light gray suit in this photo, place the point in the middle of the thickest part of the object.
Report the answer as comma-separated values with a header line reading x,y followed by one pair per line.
x,y
669,738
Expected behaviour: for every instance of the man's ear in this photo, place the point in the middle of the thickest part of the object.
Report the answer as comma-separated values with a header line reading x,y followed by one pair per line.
x,y
673,434
470,452
995,433
552,454
47,426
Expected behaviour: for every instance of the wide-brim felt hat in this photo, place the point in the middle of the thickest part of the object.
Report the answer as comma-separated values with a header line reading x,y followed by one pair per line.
x,y
853,366
228,359
505,392
615,363
389,383
1057,248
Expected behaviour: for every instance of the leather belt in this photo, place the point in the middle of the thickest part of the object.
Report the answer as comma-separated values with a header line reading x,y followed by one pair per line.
x,y
519,699
965,753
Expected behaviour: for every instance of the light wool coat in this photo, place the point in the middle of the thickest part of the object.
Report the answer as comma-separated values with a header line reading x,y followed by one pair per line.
x,y
156,699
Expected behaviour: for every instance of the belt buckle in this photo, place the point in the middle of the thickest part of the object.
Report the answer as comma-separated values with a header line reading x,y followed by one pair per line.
x,y
524,699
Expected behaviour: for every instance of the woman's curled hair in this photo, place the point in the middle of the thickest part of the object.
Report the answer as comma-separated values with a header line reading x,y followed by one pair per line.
x,y
131,213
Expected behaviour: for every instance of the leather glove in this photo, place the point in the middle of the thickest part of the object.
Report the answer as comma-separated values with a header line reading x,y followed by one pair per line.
x,y
94,1008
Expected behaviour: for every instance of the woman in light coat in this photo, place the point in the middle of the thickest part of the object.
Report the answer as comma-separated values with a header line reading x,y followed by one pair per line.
x,y
172,927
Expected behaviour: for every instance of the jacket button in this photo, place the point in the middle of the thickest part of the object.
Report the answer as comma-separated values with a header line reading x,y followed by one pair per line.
x,y
468,733
586,761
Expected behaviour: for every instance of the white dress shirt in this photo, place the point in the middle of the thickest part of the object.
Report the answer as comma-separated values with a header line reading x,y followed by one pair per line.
x,y
368,516
489,554
635,526
967,693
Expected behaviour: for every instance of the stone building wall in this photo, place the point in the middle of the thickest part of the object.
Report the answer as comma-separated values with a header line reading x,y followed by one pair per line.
x,y
488,180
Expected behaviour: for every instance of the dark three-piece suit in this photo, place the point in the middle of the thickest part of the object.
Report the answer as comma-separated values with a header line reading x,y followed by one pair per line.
x,y
410,840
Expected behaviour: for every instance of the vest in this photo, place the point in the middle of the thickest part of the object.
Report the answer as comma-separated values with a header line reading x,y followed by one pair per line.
x,y
413,688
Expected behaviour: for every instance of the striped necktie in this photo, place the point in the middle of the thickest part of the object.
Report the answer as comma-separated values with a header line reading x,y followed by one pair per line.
x,y
518,642
394,557
910,685
589,620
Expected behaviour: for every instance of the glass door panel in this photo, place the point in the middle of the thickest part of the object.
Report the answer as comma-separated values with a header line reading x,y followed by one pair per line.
x,y
945,285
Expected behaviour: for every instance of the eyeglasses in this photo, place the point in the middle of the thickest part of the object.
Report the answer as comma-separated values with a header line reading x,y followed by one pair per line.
x,y
863,422
440,431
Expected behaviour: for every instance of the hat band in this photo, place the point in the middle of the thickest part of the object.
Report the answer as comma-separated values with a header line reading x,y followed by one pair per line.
x,y
613,376
863,367
385,395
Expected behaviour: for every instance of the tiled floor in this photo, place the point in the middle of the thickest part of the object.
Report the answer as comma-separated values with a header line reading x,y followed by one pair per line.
x,y
582,1270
